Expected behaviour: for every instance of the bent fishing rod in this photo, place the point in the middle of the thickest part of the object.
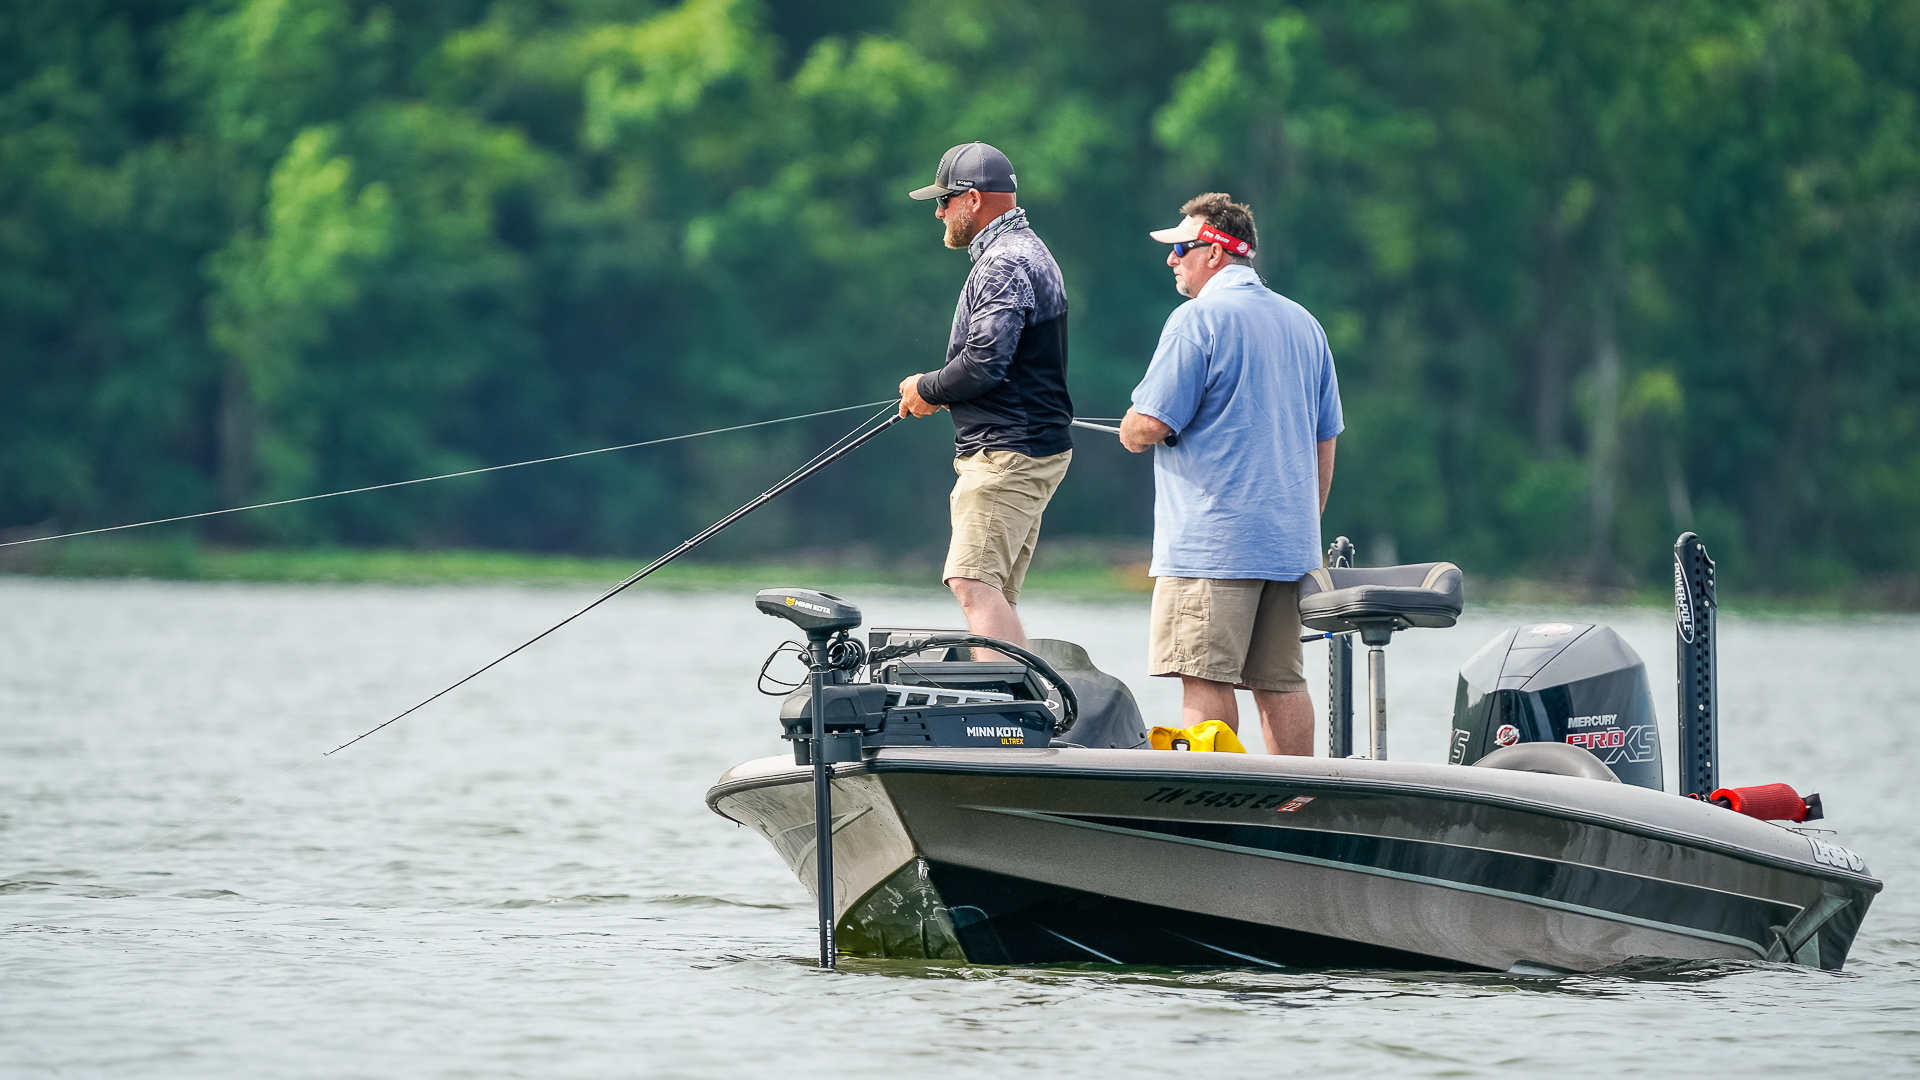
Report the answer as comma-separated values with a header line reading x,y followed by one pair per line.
x,y
841,447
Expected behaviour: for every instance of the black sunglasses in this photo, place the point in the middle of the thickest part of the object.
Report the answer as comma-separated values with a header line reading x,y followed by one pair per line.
x,y
1180,249
941,200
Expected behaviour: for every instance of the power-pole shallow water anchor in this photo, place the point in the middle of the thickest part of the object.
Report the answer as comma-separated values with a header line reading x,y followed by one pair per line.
x,y
1340,555
1695,669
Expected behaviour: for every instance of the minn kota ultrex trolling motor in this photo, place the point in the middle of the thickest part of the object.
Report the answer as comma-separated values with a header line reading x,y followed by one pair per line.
x,y
842,719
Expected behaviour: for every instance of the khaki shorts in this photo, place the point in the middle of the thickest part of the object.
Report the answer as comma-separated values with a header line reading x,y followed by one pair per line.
x,y
1246,633
997,505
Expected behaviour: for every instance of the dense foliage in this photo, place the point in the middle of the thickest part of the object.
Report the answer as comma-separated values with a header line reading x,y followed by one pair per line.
x,y
1594,270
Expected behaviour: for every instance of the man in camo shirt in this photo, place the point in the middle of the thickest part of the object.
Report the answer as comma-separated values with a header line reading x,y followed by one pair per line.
x,y
1005,381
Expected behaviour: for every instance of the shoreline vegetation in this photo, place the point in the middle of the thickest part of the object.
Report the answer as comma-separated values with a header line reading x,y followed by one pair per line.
x,y
1593,273
1071,571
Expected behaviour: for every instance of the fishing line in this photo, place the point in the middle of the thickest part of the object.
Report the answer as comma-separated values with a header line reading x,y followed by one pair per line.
x,y
839,448
442,476
832,453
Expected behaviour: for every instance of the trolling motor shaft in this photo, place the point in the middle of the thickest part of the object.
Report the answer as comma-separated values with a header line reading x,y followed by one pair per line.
x,y
822,794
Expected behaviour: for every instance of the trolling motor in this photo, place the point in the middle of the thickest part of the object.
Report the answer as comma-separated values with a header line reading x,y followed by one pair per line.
x,y
917,691
836,719
823,617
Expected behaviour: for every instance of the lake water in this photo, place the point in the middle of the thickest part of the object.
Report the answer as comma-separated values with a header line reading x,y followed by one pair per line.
x,y
523,881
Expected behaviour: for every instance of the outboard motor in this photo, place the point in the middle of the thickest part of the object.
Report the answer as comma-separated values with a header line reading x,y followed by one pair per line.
x,y
1573,683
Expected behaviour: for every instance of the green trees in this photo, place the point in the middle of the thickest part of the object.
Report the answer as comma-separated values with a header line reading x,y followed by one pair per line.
x,y
1594,271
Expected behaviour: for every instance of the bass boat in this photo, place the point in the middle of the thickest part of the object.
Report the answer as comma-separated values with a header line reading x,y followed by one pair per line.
x,y
965,799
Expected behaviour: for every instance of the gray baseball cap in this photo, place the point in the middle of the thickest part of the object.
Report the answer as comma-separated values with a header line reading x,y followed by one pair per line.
x,y
973,166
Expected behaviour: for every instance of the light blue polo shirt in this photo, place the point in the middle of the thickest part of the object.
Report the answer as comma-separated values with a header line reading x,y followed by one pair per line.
x,y
1244,376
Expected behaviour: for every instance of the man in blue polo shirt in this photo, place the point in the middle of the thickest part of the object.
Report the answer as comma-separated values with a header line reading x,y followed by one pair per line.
x,y
1244,377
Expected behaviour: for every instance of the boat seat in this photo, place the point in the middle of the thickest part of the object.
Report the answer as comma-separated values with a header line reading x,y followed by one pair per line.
x,y
1346,598
1375,602
1559,759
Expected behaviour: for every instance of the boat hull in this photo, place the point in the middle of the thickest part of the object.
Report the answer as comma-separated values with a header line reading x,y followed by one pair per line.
x,y
1168,858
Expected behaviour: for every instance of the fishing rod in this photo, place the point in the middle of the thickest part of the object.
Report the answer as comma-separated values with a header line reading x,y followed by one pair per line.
x,y
1170,441
840,448
442,476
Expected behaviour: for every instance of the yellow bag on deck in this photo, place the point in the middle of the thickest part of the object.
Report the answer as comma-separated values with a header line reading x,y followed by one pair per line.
x,y
1207,735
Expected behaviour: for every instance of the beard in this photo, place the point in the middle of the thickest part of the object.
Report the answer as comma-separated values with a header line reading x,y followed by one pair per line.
x,y
960,228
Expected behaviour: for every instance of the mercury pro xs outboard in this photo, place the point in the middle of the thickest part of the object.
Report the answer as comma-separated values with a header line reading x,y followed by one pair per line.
x,y
1556,682
1005,811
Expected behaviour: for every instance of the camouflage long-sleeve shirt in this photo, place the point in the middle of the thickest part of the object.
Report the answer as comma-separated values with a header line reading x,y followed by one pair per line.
x,y
1005,380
